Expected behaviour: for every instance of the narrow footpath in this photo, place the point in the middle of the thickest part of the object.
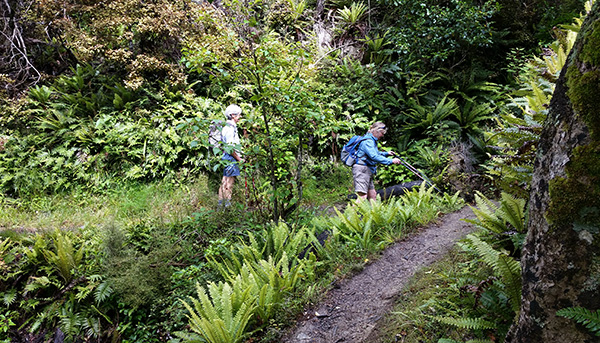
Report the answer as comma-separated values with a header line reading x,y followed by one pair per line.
x,y
351,310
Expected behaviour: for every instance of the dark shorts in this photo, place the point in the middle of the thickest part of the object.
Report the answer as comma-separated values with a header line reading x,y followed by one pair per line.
x,y
232,167
363,178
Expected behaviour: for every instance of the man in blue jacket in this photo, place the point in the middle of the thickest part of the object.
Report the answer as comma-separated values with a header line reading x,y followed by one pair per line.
x,y
368,156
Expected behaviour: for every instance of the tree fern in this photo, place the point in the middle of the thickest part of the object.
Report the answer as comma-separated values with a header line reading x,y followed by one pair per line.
x,y
589,319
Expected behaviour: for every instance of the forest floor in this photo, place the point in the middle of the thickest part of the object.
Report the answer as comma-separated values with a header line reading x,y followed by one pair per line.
x,y
351,310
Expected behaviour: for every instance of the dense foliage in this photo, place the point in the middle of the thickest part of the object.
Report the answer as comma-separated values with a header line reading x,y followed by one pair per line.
x,y
98,97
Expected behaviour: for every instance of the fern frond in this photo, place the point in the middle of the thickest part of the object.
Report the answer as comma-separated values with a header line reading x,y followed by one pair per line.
x,y
589,319
9,297
103,291
485,211
513,211
222,318
510,272
505,267
467,323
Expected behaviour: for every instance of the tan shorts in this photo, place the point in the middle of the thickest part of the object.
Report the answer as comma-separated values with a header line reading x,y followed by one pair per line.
x,y
363,178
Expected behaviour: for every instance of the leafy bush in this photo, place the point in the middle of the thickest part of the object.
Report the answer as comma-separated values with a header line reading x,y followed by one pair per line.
x,y
435,32
84,137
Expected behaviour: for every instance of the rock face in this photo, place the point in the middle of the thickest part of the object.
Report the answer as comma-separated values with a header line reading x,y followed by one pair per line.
x,y
561,252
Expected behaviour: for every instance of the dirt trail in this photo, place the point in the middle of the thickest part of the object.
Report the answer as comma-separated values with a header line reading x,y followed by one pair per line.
x,y
350,312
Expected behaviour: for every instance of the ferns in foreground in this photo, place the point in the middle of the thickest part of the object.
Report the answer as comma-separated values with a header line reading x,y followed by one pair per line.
x,y
505,267
223,317
497,299
589,319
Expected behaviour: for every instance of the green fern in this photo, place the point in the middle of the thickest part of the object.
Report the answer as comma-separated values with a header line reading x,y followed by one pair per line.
x,y
446,340
66,259
430,119
273,242
39,94
102,292
298,7
508,218
520,123
505,267
589,319
351,16
376,49
512,211
222,317
487,219
267,282
467,323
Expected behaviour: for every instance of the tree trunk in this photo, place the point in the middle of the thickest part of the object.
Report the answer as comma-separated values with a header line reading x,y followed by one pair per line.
x,y
560,264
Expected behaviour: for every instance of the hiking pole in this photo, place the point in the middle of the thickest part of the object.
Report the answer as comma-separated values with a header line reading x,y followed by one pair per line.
x,y
416,172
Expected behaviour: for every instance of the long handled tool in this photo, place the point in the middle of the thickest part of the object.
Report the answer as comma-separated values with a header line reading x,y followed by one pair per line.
x,y
416,172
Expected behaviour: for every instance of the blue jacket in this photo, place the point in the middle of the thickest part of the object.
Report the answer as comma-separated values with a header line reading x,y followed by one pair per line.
x,y
369,155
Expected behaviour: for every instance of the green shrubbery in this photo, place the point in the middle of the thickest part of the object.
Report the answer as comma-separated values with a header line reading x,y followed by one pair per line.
x,y
119,112
128,282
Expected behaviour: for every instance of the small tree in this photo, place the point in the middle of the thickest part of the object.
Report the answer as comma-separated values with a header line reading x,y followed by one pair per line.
x,y
275,76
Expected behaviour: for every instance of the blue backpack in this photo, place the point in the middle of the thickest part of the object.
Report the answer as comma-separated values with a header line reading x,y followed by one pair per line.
x,y
350,150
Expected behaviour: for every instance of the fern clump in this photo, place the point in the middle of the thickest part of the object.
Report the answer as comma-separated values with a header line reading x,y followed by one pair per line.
x,y
495,301
505,222
222,317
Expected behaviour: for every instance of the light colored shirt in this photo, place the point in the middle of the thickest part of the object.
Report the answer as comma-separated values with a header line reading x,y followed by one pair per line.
x,y
230,136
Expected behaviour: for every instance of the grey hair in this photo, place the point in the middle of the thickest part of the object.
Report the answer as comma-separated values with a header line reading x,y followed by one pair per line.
x,y
377,126
231,110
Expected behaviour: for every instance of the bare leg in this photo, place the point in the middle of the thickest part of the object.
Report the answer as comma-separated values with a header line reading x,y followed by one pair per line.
x,y
372,195
226,187
360,196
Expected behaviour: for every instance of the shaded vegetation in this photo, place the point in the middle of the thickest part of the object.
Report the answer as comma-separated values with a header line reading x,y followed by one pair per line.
x,y
110,229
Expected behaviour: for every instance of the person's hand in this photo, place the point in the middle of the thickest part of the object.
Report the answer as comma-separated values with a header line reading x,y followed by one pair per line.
x,y
392,153
396,161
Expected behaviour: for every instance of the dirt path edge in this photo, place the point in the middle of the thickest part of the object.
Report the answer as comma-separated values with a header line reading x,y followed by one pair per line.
x,y
349,312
